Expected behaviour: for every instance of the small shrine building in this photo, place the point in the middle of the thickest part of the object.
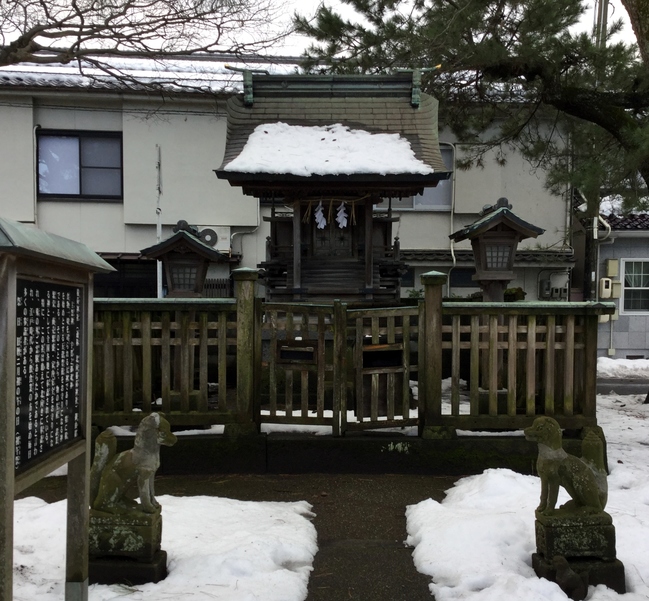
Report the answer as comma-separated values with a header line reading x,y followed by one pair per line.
x,y
323,151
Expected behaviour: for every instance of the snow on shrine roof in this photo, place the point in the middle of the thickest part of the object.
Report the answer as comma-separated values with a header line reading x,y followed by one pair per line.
x,y
325,150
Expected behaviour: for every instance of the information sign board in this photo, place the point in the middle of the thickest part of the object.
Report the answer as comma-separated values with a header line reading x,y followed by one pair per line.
x,y
48,365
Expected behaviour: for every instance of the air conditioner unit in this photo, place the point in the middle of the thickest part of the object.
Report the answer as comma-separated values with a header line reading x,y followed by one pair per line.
x,y
217,237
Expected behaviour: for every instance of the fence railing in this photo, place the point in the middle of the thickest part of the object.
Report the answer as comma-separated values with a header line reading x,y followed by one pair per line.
x,y
169,355
517,361
207,361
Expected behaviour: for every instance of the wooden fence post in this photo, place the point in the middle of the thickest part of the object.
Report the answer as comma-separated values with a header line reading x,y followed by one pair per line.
x,y
340,372
589,405
245,279
430,408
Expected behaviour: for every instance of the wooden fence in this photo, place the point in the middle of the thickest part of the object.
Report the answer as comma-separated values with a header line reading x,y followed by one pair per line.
x,y
169,355
206,361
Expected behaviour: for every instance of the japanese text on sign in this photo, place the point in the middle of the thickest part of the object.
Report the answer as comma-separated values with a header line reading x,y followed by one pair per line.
x,y
48,330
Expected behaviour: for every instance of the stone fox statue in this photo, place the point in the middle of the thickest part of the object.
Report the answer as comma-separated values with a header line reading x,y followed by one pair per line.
x,y
113,474
583,478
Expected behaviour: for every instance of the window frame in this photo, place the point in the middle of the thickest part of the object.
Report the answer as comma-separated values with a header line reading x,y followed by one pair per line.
x,y
622,308
80,135
415,202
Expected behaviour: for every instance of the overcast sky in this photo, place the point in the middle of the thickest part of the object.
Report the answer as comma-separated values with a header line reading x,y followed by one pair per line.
x,y
297,44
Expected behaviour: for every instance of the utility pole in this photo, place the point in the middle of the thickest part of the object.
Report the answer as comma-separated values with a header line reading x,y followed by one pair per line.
x,y
593,194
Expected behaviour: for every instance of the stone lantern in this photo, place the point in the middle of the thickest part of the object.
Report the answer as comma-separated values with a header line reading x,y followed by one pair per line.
x,y
185,258
494,238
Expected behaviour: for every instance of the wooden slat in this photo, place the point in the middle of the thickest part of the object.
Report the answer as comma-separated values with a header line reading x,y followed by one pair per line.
x,y
222,354
376,335
493,365
109,364
185,373
589,401
127,358
390,392
358,361
455,366
288,392
339,369
512,357
202,361
474,387
165,361
321,357
530,367
147,366
549,365
304,393
569,367
272,364
405,390
374,406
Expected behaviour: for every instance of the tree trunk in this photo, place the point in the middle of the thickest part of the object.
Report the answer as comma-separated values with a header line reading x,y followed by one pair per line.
x,y
638,11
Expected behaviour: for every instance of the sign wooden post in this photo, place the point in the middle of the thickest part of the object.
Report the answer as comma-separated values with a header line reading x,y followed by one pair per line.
x,y
45,383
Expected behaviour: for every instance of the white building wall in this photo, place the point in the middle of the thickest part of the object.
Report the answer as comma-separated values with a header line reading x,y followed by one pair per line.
x,y
479,186
191,138
17,199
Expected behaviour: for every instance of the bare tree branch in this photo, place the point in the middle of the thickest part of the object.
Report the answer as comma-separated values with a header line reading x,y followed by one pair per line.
x,y
60,31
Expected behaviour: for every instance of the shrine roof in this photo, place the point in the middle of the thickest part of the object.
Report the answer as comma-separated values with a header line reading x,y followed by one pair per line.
x,y
357,133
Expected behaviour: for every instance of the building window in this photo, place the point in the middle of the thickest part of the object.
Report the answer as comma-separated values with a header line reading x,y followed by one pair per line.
x,y
134,278
439,198
636,286
80,165
462,277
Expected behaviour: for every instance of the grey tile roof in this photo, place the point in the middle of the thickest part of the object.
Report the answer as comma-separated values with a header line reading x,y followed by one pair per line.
x,y
628,222
465,257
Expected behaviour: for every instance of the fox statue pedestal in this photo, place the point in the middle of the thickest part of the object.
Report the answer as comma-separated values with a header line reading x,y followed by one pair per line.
x,y
575,543
126,548
583,544
125,536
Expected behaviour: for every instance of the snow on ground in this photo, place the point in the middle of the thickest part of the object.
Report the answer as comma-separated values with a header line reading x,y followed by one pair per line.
x,y
217,549
622,368
477,544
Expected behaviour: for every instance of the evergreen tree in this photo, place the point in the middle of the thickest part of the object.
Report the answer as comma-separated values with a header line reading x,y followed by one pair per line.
x,y
573,105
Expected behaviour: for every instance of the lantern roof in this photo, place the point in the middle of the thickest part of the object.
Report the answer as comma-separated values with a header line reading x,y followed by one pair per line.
x,y
183,241
498,217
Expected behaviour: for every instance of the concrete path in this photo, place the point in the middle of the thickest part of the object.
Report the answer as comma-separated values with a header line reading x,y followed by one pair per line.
x,y
360,521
